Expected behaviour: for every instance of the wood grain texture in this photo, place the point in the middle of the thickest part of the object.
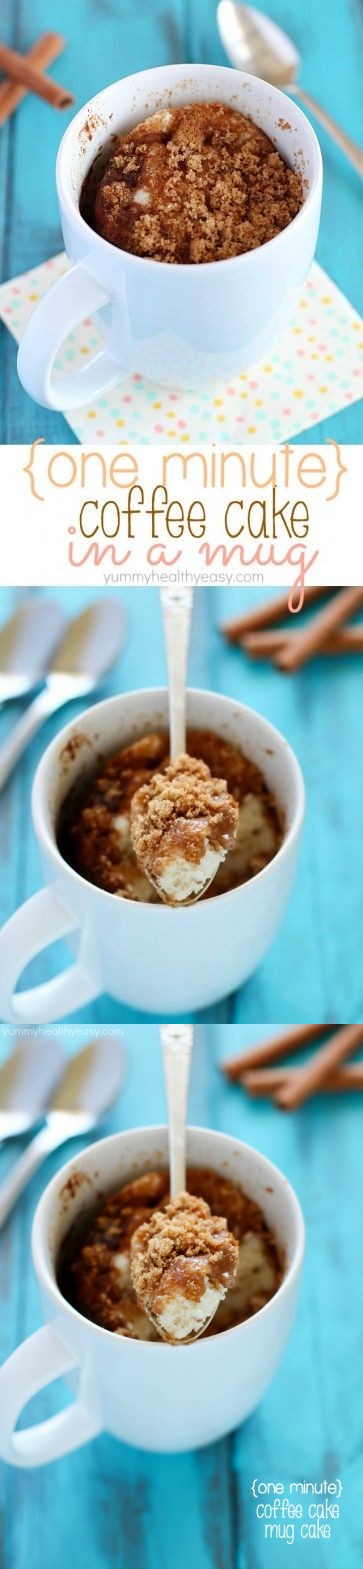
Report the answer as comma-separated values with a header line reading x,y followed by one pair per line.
x,y
110,1505
313,971
111,37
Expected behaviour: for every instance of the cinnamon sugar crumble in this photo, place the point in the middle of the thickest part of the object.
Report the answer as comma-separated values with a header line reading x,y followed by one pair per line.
x,y
95,831
95,1267
182,1262
195,184
182,824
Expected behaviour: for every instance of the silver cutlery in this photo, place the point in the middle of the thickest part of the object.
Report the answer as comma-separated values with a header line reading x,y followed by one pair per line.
x,y
89,1086
27,641
177,1045
253,42
88,649
176,606
28,1079
177,1042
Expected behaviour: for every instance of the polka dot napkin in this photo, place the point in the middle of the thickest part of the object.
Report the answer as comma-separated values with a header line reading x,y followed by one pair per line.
x,y
316,370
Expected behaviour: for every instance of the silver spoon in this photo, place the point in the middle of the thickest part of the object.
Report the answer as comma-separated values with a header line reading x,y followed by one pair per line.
x,y
88,1088
27,641
253,42
89,648
177,1043
176,606
28,1078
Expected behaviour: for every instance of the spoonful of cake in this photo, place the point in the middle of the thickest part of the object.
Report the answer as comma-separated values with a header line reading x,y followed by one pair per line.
x,y
183,821
183,1259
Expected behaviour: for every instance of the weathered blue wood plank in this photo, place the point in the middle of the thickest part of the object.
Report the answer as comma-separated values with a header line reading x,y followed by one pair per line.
x,y
111,39
314,968
109,1504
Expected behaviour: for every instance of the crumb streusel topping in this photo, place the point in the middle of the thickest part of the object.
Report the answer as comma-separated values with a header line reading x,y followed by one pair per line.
x,y
94,1270
94,832
198,183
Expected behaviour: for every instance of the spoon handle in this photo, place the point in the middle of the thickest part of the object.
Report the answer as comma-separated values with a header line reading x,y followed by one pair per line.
x,y
352,151
14,686
177,1041
176,607
57,690
25,1167
13,1124
22,733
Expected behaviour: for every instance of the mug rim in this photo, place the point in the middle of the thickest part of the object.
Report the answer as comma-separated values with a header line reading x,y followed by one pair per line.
x,y
48,842
190,268
48,1280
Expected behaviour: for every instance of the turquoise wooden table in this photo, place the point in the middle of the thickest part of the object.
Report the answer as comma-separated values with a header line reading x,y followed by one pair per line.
x,y
110,1505
106,40
314,968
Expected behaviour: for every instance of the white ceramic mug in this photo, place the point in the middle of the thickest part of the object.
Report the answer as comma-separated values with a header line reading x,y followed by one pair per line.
x,y
178,325
148,956
151,1395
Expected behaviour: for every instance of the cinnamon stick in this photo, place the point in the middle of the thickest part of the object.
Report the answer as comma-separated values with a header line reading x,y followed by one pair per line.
x,y
260,1082
42,53
268,614
313,1074
261,645
20,70
311,638
272,1051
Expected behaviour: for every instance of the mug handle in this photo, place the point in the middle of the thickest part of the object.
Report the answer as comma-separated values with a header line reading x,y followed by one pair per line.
x,y
35,1364
41,921
73,296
